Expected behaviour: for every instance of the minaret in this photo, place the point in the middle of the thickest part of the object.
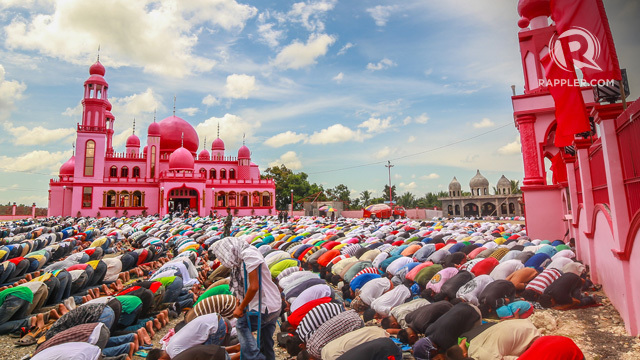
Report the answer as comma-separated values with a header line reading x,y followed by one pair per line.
x,y
244,161
133,142
217,147
153,149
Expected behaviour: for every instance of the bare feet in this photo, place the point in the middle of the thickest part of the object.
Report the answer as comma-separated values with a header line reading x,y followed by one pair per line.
x,y
62,309
157,324
28,277
132,349
144,337
105,290
149,327
53,314
40,320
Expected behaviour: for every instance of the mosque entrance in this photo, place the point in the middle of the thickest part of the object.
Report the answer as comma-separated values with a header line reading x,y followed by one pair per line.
x,y
183,198
488,209
471,210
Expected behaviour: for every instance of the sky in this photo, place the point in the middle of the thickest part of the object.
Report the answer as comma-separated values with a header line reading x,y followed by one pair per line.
x,y
332,88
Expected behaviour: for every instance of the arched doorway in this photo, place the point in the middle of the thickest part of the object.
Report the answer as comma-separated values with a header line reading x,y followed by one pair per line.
x,y
488,209
471,209
182,198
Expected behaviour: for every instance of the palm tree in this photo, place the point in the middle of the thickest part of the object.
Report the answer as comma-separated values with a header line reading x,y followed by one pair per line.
x,y
365,197
515,187
407,200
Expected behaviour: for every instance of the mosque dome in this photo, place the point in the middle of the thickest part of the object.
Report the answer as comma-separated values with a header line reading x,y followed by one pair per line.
x,y
109,107
144,150
204,155
504,182
133,141
172,130
217,144
478,181
244,153
181,159
96,79
108,114
154,129
454,185
97,69
67,169
531,9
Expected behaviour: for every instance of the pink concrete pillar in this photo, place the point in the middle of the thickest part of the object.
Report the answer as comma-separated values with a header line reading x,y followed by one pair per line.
x,y
13,209
532,162
33,210
570,161
582,153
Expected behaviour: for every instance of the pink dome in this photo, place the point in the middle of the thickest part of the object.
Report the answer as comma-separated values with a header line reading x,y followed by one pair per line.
x,y
108,114
217,144
244,153
133,141
96,79
204,155
531,9
144,150
154,129
67,169
97,69
108,106
181,159
171,131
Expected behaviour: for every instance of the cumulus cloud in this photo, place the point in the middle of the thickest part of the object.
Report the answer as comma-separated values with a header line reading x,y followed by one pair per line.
x,y
343,50
190,111
381,13
269,35
285,138
239,86
311,14
232,128
336,133
420,119
382,64
135,105
431,176
376,125
10,92
484,123
411,139
408,187
511,148
73,111
338,78
289,159
382,153
161,37
397,176
36,160
298,55
210,100
21,135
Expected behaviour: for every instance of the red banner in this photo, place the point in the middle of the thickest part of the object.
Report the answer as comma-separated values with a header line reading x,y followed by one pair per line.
x,y
559,169
583,26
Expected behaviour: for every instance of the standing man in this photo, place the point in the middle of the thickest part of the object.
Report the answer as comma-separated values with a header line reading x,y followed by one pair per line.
x,y
227,223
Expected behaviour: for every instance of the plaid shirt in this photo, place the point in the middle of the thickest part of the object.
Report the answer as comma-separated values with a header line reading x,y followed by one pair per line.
x,y
79,333
332,329
316,317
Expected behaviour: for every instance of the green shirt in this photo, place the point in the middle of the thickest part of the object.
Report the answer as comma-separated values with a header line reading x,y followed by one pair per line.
x,y
166,281
129,303
218,290
21,292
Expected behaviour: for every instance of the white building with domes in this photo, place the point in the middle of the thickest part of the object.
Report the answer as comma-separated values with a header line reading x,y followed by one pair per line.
x,y
481,202
165,176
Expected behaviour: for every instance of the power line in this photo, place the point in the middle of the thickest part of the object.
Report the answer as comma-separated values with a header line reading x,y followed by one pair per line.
x,y
417,153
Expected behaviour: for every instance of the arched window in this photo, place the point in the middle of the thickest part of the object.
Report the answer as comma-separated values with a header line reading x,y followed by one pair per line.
x,y
136,199
124,172
450,210
232,199
457,209
89,157
232,174
266,198
503,209
153,162
113,172
124,199
136,172
223,174
512,208
110,201
203,172
222,199
212,174
244,199
255,199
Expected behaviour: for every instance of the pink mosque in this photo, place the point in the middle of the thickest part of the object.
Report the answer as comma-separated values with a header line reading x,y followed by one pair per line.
x,y
165,176
598,202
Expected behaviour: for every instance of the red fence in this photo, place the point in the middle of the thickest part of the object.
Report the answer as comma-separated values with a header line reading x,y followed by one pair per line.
x,y
628,128
598,174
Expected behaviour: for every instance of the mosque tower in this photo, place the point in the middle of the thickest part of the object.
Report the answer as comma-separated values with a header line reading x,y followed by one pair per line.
x,y
244,162
153,149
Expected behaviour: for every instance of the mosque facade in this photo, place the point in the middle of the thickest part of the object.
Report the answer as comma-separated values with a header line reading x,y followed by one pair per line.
x,y
168,174
480,203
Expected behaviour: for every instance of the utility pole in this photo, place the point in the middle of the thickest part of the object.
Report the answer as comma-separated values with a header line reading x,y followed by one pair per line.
x,y
389,166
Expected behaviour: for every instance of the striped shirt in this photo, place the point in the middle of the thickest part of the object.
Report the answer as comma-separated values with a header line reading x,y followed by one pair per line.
x,y
332,329
316,317
220,304
351,249
543,280
369,270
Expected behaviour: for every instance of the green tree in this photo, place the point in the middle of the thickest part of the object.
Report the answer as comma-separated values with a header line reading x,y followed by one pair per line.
x,y
286,180
365,197
515,187
385,192
407,200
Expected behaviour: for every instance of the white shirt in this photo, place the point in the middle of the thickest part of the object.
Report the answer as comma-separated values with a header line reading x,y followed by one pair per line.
x,y
397,264
310,294
392,298
70,351
373,289
271,299
196,332
114,267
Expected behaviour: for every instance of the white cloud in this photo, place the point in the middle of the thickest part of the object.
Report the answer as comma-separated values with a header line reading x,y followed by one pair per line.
x,y
232,128
407,120
10,92
407,187
190,111
381,13
397,176
119,139
311,14
239,86
21,135
335,134
298,55
161,37
382,64
431,176
376,125
74,111
36,160
422,119
210,100
511,148
484,123
285,138
343,50
289,159
338,78
411,139
382,153
134,105
269,35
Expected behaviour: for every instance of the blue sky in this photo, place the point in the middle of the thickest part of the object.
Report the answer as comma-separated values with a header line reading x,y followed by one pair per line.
x,y
317,85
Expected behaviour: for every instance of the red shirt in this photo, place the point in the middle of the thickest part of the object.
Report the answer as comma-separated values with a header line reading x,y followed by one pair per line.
x,y
485,266
296,317
552,348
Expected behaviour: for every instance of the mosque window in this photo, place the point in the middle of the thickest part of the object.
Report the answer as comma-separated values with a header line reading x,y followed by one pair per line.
x,y
113,172
110,200
153,161
266,199
244,199
87,196
223,174
136,172
124,172
89,157
124,199
203,172
232,174
212,174
136,199
232,199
